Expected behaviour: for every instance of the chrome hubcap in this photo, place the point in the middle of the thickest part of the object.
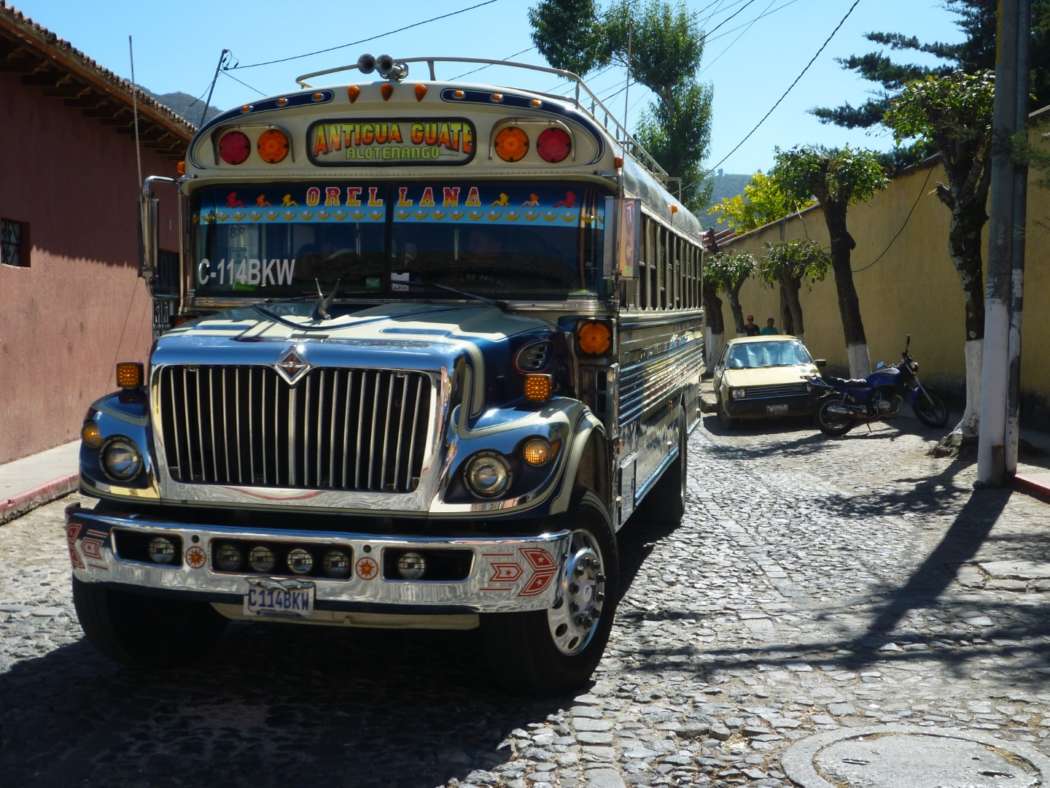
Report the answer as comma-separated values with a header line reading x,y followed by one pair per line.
x,y
574,616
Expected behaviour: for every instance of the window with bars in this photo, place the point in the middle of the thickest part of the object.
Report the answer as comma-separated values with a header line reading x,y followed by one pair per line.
x,y
14,243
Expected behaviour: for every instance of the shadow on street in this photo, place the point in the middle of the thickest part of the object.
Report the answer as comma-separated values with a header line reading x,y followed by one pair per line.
x,y
275,705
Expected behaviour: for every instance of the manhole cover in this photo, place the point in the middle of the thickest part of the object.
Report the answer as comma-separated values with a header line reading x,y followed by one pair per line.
x,y
892,756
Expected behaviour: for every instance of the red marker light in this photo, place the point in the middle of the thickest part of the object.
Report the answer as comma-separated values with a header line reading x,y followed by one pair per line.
x,y
234,147
554,145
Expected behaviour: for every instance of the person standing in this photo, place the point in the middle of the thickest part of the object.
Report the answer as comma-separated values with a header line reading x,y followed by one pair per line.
x,y
770,327
750,327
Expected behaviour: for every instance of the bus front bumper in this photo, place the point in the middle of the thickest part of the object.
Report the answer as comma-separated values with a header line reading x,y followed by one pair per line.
x,y
467,575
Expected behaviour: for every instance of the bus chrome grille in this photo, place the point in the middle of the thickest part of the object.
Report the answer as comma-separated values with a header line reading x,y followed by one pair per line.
x,y
335,429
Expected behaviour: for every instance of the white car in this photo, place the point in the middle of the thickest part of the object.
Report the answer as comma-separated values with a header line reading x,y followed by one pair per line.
x,y
764,376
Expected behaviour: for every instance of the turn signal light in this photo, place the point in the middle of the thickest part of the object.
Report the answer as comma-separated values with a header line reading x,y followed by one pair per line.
x,y
594,337
554,145
538,387
234,147
511,144
129,375
91,435
537,451
272,146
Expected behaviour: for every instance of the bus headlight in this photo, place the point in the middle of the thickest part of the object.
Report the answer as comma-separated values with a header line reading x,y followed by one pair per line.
x,y
487,475
738,393
121,460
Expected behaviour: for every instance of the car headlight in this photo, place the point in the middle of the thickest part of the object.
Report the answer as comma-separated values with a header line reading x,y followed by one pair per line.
x,y
487,475
121,461
738,393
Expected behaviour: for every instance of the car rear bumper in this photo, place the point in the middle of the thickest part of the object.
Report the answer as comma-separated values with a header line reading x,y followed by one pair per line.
x,y
500,574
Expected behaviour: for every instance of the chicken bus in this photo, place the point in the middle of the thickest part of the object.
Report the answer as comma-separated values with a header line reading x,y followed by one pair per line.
x,y
425,348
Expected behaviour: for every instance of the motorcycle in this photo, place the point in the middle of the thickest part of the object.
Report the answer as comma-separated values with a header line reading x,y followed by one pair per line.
x,y
845,403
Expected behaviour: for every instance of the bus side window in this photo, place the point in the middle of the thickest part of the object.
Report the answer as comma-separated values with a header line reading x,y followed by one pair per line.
x,y
665,254
645,262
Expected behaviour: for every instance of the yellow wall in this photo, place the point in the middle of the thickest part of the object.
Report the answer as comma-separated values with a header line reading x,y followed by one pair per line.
x,y
914,288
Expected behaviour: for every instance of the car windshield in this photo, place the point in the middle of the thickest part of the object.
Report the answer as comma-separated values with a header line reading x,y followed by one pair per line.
x,y
401,240
752,355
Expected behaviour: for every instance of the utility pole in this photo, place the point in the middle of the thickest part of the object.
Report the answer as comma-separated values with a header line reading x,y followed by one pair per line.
x,y
1000,368
1017,241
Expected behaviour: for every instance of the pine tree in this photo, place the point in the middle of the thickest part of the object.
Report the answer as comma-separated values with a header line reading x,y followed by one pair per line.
x,y
976,19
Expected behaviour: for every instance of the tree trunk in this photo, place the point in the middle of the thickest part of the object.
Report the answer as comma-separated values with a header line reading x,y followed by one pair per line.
x,y
787,324
842,244
714,324
738,311
789,290
964,245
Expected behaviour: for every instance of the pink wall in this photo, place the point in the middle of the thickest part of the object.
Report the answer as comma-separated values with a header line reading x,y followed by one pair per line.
x,y
80,306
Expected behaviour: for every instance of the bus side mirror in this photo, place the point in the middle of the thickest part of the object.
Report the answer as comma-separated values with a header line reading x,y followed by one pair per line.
x,y
820,363
149,209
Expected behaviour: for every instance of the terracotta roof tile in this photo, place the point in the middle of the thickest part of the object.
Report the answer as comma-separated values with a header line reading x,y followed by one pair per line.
x,y
66,56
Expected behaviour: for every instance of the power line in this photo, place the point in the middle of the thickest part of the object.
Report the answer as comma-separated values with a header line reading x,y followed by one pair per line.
x,y
784,95
366,40
914,205
748,27
242,82
482,68
763,15
707,38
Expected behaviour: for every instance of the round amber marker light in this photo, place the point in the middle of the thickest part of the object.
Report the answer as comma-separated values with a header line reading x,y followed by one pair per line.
x,y
511,144
91,435
594,337
536,451
273,146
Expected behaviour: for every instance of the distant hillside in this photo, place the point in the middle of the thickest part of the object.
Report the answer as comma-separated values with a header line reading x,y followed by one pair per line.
x,y
186,105
723,184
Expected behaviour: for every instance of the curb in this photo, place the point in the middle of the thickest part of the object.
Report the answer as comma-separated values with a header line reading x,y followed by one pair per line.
x,y
1038,486
45,493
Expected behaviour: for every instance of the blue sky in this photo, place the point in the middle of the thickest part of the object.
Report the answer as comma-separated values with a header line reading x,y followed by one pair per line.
x,y
749,65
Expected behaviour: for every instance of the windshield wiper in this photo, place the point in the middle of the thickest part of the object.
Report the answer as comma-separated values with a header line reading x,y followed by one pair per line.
x,y
465,293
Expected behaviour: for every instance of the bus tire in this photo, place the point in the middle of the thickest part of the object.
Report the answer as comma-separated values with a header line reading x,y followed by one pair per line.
x,y
556,650
143,631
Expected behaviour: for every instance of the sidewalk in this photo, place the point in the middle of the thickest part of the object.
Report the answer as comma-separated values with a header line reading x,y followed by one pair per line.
x,y
37,479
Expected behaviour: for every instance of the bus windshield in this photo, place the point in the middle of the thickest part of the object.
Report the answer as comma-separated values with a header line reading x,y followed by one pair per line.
x,y
401,240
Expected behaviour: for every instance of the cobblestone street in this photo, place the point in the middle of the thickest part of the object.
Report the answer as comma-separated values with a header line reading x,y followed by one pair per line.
x,y
814,584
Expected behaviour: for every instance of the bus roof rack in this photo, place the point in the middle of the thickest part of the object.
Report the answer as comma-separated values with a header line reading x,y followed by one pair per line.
x,y
397,69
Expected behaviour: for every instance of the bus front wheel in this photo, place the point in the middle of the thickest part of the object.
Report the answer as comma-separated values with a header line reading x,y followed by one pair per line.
x,y
556,650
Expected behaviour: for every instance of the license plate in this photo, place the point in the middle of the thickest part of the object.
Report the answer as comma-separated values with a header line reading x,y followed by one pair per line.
x,y
282,598
776,410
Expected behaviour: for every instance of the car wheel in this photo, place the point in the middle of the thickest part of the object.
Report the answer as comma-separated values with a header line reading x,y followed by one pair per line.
x,y
724,419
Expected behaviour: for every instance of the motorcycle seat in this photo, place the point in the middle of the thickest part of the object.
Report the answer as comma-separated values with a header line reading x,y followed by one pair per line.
x,y
850,383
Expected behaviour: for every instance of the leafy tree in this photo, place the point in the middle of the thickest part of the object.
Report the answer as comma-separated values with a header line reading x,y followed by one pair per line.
x,y
836,177
977,21
953,113
788,265
568,34
762,202
728,271
661,46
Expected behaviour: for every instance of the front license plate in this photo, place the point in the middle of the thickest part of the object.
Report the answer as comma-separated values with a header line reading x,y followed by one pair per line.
x,y
776,410
282,598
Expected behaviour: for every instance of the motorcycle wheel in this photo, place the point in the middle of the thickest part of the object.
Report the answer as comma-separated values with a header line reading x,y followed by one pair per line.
x,y
833,424
932,412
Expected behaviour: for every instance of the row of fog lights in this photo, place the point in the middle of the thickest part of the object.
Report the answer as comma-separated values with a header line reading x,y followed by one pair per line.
x,y
336,563
511,144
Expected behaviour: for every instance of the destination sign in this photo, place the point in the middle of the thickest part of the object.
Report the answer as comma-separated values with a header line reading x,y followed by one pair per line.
x,y
386,142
